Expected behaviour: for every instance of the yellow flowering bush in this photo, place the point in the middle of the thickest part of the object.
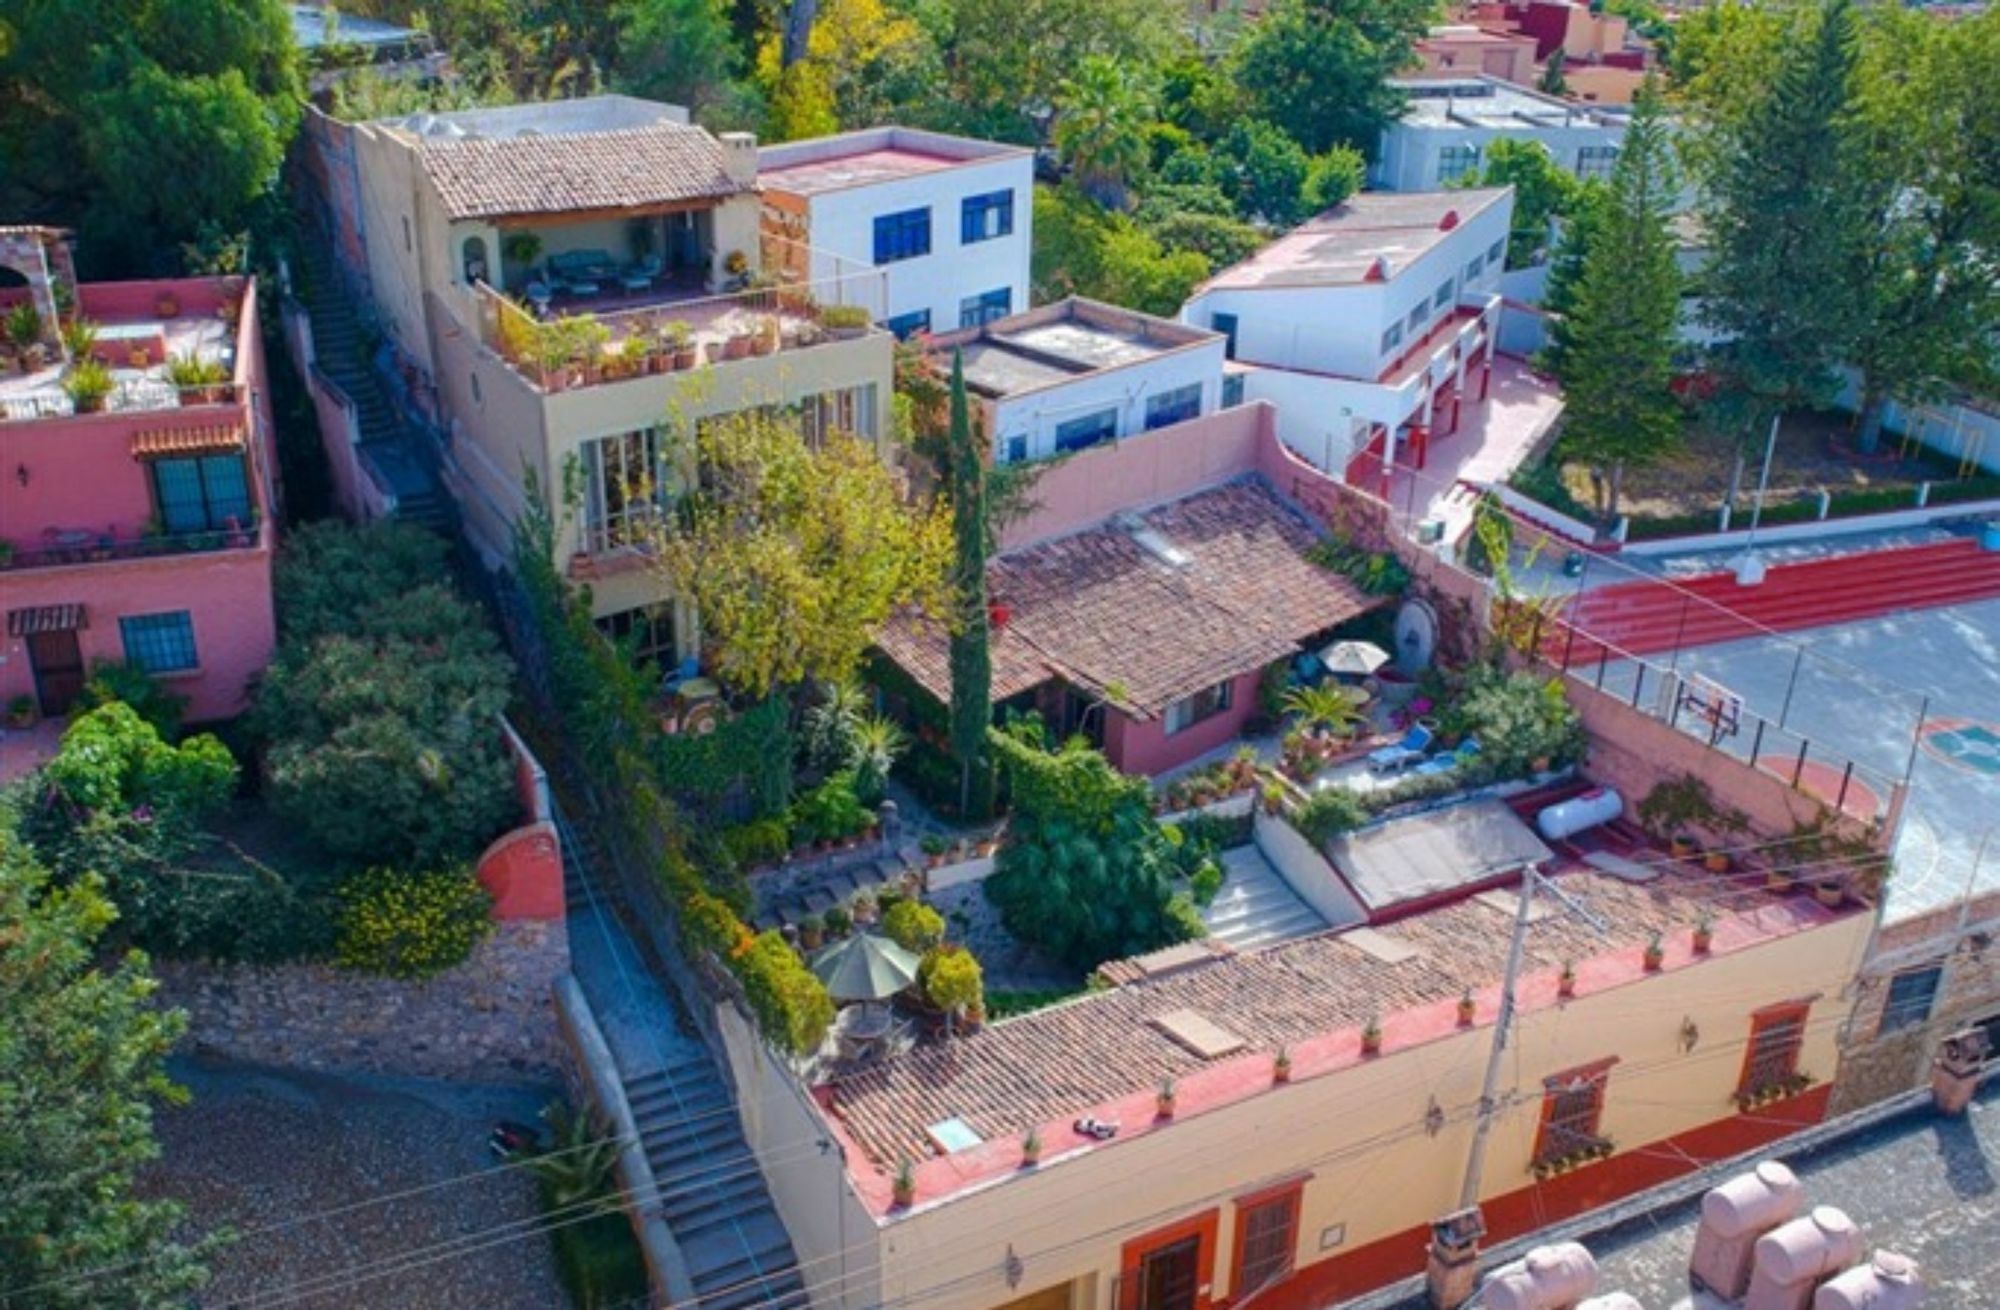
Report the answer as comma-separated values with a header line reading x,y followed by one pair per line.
x,y
411,925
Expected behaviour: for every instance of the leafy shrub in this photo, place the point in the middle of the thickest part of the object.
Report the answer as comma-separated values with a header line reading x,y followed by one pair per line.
x,y
111,759
1331,812
114,680
757,842
411,925
329,573
1205,882
792,1008
830,811
1517,718
951,979
914,926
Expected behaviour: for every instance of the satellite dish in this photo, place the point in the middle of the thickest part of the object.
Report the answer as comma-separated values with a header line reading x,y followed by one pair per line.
x,y
1416,636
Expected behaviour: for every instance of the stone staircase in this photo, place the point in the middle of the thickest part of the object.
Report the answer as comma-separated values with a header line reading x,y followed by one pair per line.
x,y
386,444
711,1191
1256,907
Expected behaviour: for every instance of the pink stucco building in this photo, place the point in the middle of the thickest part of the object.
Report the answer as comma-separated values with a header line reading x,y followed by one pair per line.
x,y
137,525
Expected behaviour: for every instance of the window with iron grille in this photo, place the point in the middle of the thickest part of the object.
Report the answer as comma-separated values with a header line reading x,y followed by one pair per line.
x,y
1455,162
902,236
976,311
1572,1113
644,634
159,643
1204,704
1090,430
1595,161
207,494
1176,406
624,488
1270,1236
1911,994
982,218
1776,1037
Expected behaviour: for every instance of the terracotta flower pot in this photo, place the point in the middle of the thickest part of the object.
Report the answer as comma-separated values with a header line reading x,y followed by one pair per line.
x,y
1371,1041
1830,894
1655,961
1467,1012
1566,986
1703,941
1716,861
1683,848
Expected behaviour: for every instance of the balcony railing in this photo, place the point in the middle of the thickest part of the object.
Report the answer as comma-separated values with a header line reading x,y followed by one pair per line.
x,y
578,350
134,395
59,547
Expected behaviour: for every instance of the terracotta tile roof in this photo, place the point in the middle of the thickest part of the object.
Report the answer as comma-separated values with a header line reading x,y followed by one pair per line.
x,y
188,441
1051,1065
630,168
1101,611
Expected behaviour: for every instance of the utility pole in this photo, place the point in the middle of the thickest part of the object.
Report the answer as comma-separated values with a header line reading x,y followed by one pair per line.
x,y
1453,1262
1749,568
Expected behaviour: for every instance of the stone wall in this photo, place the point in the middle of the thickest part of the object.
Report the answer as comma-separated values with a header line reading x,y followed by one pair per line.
x,y
491,1019
1876,1065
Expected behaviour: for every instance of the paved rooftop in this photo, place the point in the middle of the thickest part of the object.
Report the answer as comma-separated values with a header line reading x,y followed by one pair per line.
x,y
1060,342
868,158
1043,1068
1491,103
1340,246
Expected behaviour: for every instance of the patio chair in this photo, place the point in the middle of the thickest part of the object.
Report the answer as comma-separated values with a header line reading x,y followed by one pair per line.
x,y
640,276
539,296
689,668
1403,753
1450,760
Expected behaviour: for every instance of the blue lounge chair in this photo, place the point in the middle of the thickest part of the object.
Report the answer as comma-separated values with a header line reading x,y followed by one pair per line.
x,y
1450,760
1403,753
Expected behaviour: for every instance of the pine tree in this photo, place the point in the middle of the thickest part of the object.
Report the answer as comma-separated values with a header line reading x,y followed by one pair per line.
x,y
971,654
1618,341
1788,226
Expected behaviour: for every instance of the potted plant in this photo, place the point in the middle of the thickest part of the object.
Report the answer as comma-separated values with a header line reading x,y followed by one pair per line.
x,y
844,321
736,264
633,352
812,932
24,329
1683,846
764,337
680,338
839,921
1031,1149
1281,1066
737,344
21,711
1830,892
79,337
1274,797
139,357
87,385
1656,954
198,380
933,847
863,908
1371,1036
553,355
1716,861
1704,934
1566,981
1779,880
905,1186
166,305
1468,1009
1163,1100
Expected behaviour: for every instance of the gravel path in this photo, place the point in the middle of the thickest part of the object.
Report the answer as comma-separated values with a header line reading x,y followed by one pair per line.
x,y
260,1146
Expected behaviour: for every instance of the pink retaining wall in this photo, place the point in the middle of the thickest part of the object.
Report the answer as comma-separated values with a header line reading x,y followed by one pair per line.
x,y
226,593
1143,745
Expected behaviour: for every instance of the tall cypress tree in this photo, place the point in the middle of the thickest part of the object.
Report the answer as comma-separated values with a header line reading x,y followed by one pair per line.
x,y
971,656
1617,339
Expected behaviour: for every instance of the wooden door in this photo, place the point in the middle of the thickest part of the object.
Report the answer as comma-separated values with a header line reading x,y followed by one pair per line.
x,y
57,662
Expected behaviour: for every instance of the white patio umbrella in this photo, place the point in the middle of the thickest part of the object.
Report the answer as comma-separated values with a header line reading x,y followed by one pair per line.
x,y
865,967
1356,658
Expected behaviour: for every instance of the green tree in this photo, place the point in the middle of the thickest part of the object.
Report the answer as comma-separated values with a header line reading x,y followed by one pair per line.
x,y
1577,234
1085,872
679,51
1618,339
1333,177
1319,69
971,653
1552,82
1083,249
1267,172
1102,114
1928,135
139,121
83,1062
1788,227
794,556
1004,64
1543,192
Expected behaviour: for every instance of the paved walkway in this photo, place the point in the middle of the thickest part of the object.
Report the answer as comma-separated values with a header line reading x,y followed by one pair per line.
x,y
23,750
1493,437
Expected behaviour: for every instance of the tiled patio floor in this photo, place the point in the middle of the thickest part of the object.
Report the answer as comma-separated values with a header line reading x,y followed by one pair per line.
x,y
1493,437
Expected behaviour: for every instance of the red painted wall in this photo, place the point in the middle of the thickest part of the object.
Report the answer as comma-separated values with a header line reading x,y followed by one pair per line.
x,y
523,872
1143,746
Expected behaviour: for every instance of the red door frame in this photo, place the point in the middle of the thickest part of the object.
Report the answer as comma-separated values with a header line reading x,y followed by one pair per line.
x,y
1203,1226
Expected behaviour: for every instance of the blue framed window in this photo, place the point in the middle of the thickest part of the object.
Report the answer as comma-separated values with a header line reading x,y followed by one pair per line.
x,y
982,218
159,643
1176,406
1232,390
201,495
1017,448
1090,430
975,311
908,325
903,236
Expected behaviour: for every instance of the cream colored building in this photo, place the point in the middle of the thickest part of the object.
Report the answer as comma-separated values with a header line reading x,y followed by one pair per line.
x,y
1320,1186
484,229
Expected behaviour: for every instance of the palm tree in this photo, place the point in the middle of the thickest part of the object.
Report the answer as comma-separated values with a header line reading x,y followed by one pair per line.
x,y
1102,114
877,742
1327,706
578,1164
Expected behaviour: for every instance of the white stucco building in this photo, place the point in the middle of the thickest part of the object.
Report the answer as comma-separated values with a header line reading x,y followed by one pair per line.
x,y
1078,373
947,220
1451,122
1365,324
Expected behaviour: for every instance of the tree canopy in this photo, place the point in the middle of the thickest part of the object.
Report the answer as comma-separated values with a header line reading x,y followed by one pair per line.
x,y
82,1063
1319,68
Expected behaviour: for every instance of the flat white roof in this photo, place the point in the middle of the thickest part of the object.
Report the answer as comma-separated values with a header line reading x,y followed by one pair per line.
x,y
1371,236
1492,103
868,157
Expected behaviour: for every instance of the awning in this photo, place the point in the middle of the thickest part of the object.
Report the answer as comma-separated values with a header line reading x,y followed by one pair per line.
x,y
213,439
46,618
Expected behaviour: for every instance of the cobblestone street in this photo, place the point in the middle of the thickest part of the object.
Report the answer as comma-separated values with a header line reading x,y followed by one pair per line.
x,y
266,1150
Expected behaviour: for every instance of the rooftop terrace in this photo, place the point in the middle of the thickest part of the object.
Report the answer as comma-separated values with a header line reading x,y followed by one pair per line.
x,y
868,158
1342,246
136,341
1491,103
1060,342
